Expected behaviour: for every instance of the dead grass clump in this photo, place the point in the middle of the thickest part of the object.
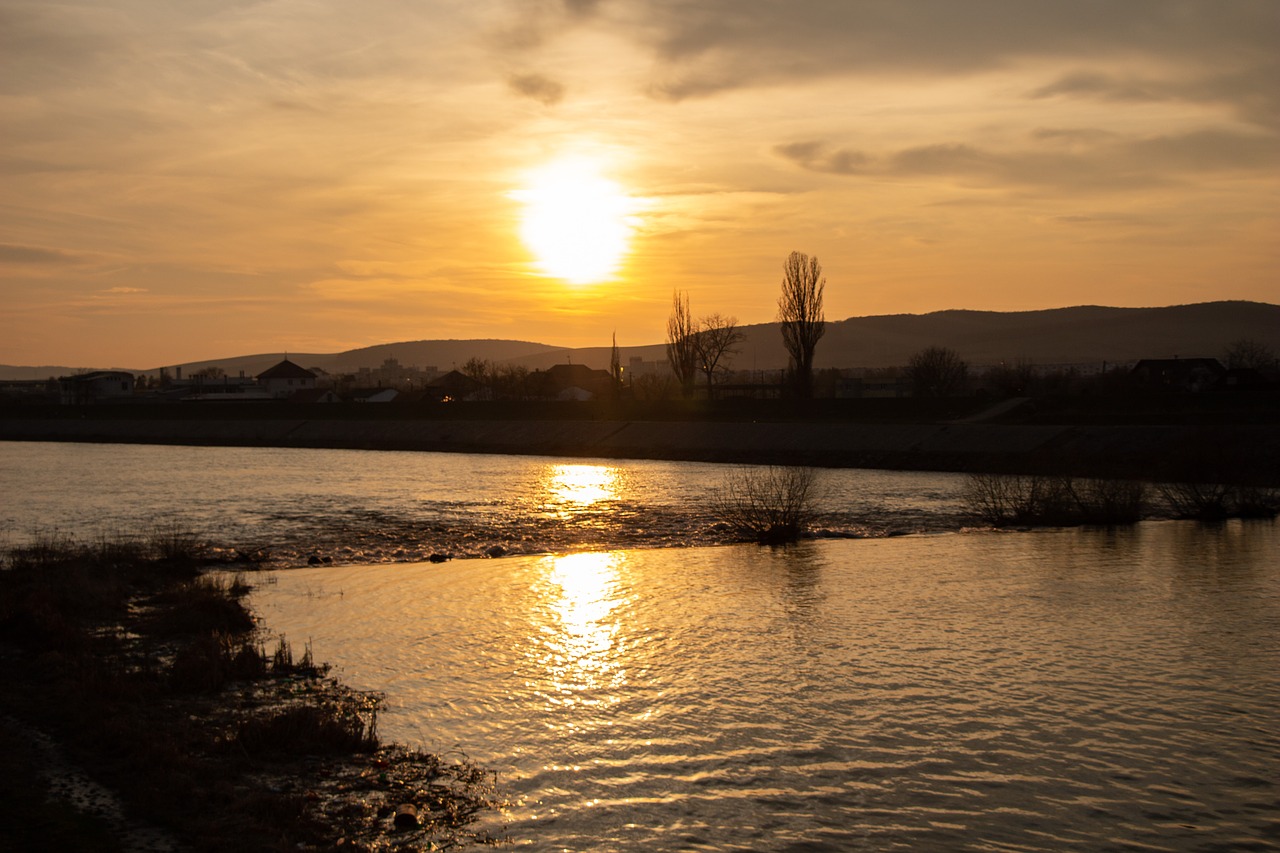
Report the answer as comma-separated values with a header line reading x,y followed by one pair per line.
x,y
175,545
205,605
335,727
282,662
210,661
772,505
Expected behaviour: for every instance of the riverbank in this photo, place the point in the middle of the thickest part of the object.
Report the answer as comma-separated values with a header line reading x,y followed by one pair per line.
x,y
142,710
1222,451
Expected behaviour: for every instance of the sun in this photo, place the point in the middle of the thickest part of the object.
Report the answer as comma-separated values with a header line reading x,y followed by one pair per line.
x,y
577,223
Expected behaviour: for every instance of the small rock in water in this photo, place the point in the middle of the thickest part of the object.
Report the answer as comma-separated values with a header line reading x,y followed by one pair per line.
x,y
439,558
313,560
494,551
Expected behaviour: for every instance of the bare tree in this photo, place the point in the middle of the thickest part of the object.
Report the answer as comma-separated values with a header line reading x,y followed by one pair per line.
x,y
478,369
718,337
682,342
936,372
1250,353
800,313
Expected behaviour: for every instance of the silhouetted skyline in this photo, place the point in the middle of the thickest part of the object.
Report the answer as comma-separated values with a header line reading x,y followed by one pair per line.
x,y
194,181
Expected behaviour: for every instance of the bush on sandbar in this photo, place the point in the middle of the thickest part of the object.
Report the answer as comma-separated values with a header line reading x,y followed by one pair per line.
x,y
1004,499
771,505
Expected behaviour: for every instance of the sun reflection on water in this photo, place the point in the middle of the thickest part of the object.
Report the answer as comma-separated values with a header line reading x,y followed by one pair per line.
x,y
583,484
579,652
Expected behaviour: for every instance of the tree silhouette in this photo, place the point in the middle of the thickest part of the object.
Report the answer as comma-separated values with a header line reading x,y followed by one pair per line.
x,y
718,336
936,372
682,342
1249,353
800,313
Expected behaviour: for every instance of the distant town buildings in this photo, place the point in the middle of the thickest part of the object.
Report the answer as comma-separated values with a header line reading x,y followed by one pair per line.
x,y
478,381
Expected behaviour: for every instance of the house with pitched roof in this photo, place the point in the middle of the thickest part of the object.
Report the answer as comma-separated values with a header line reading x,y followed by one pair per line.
x,y
286,379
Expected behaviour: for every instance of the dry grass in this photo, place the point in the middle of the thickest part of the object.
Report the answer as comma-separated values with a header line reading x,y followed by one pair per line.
x,y
157,682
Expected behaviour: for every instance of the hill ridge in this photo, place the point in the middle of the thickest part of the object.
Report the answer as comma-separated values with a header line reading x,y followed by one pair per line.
x,y
1080,334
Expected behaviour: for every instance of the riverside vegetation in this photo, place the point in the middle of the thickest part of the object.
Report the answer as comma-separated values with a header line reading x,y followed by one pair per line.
x,y
1062,500
154,677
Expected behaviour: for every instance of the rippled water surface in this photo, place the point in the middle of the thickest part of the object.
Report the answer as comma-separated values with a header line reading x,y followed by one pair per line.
x,y
1034,691
378,506
1053,690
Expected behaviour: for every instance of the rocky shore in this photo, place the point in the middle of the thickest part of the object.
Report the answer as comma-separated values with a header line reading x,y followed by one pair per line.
x,y
1147,451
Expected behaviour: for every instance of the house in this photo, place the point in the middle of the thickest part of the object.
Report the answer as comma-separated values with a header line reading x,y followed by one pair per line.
x,y
572,382
315,395
201,387
452,386
373,395
285,379
98,386
1178,374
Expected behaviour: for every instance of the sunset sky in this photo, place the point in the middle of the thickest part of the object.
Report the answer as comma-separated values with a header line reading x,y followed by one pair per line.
x,y
209,178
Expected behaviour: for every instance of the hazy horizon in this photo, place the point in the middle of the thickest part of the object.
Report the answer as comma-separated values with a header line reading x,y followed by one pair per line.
x,y
1081,334
186,181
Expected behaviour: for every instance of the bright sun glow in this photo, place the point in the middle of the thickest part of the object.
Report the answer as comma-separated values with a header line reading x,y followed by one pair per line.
x,y
576,222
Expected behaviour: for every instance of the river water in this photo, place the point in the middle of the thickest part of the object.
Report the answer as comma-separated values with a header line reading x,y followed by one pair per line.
x,y
1030,691
355,506
950,689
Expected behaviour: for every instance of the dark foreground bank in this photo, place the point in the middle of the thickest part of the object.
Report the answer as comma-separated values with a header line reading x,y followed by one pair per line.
x,y
1212,443
143,709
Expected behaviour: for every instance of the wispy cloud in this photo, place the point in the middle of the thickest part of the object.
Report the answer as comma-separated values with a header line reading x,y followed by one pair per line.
x,y
34,255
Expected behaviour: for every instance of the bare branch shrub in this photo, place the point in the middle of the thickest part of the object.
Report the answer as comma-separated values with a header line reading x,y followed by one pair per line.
x,y
1190,499
772,505
1002,499
1256,501
1217,501
1109,501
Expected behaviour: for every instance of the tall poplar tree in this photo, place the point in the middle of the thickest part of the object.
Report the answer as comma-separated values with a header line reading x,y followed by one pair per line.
x,y
800,314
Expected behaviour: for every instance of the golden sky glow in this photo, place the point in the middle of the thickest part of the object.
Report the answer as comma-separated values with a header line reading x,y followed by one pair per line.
x,y
197,180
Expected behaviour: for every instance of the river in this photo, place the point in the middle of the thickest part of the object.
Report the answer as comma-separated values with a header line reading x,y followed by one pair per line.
x,y
947,689
363,506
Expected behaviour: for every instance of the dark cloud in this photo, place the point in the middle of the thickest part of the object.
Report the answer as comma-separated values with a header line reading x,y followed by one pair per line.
x,y
708,46
531,23
1253,91
816,157
12,254
1094,162
581,8
542,89
1097,85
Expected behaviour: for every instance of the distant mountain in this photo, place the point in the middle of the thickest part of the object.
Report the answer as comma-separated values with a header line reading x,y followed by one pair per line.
x,y
444,355
1080,335
1086,334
